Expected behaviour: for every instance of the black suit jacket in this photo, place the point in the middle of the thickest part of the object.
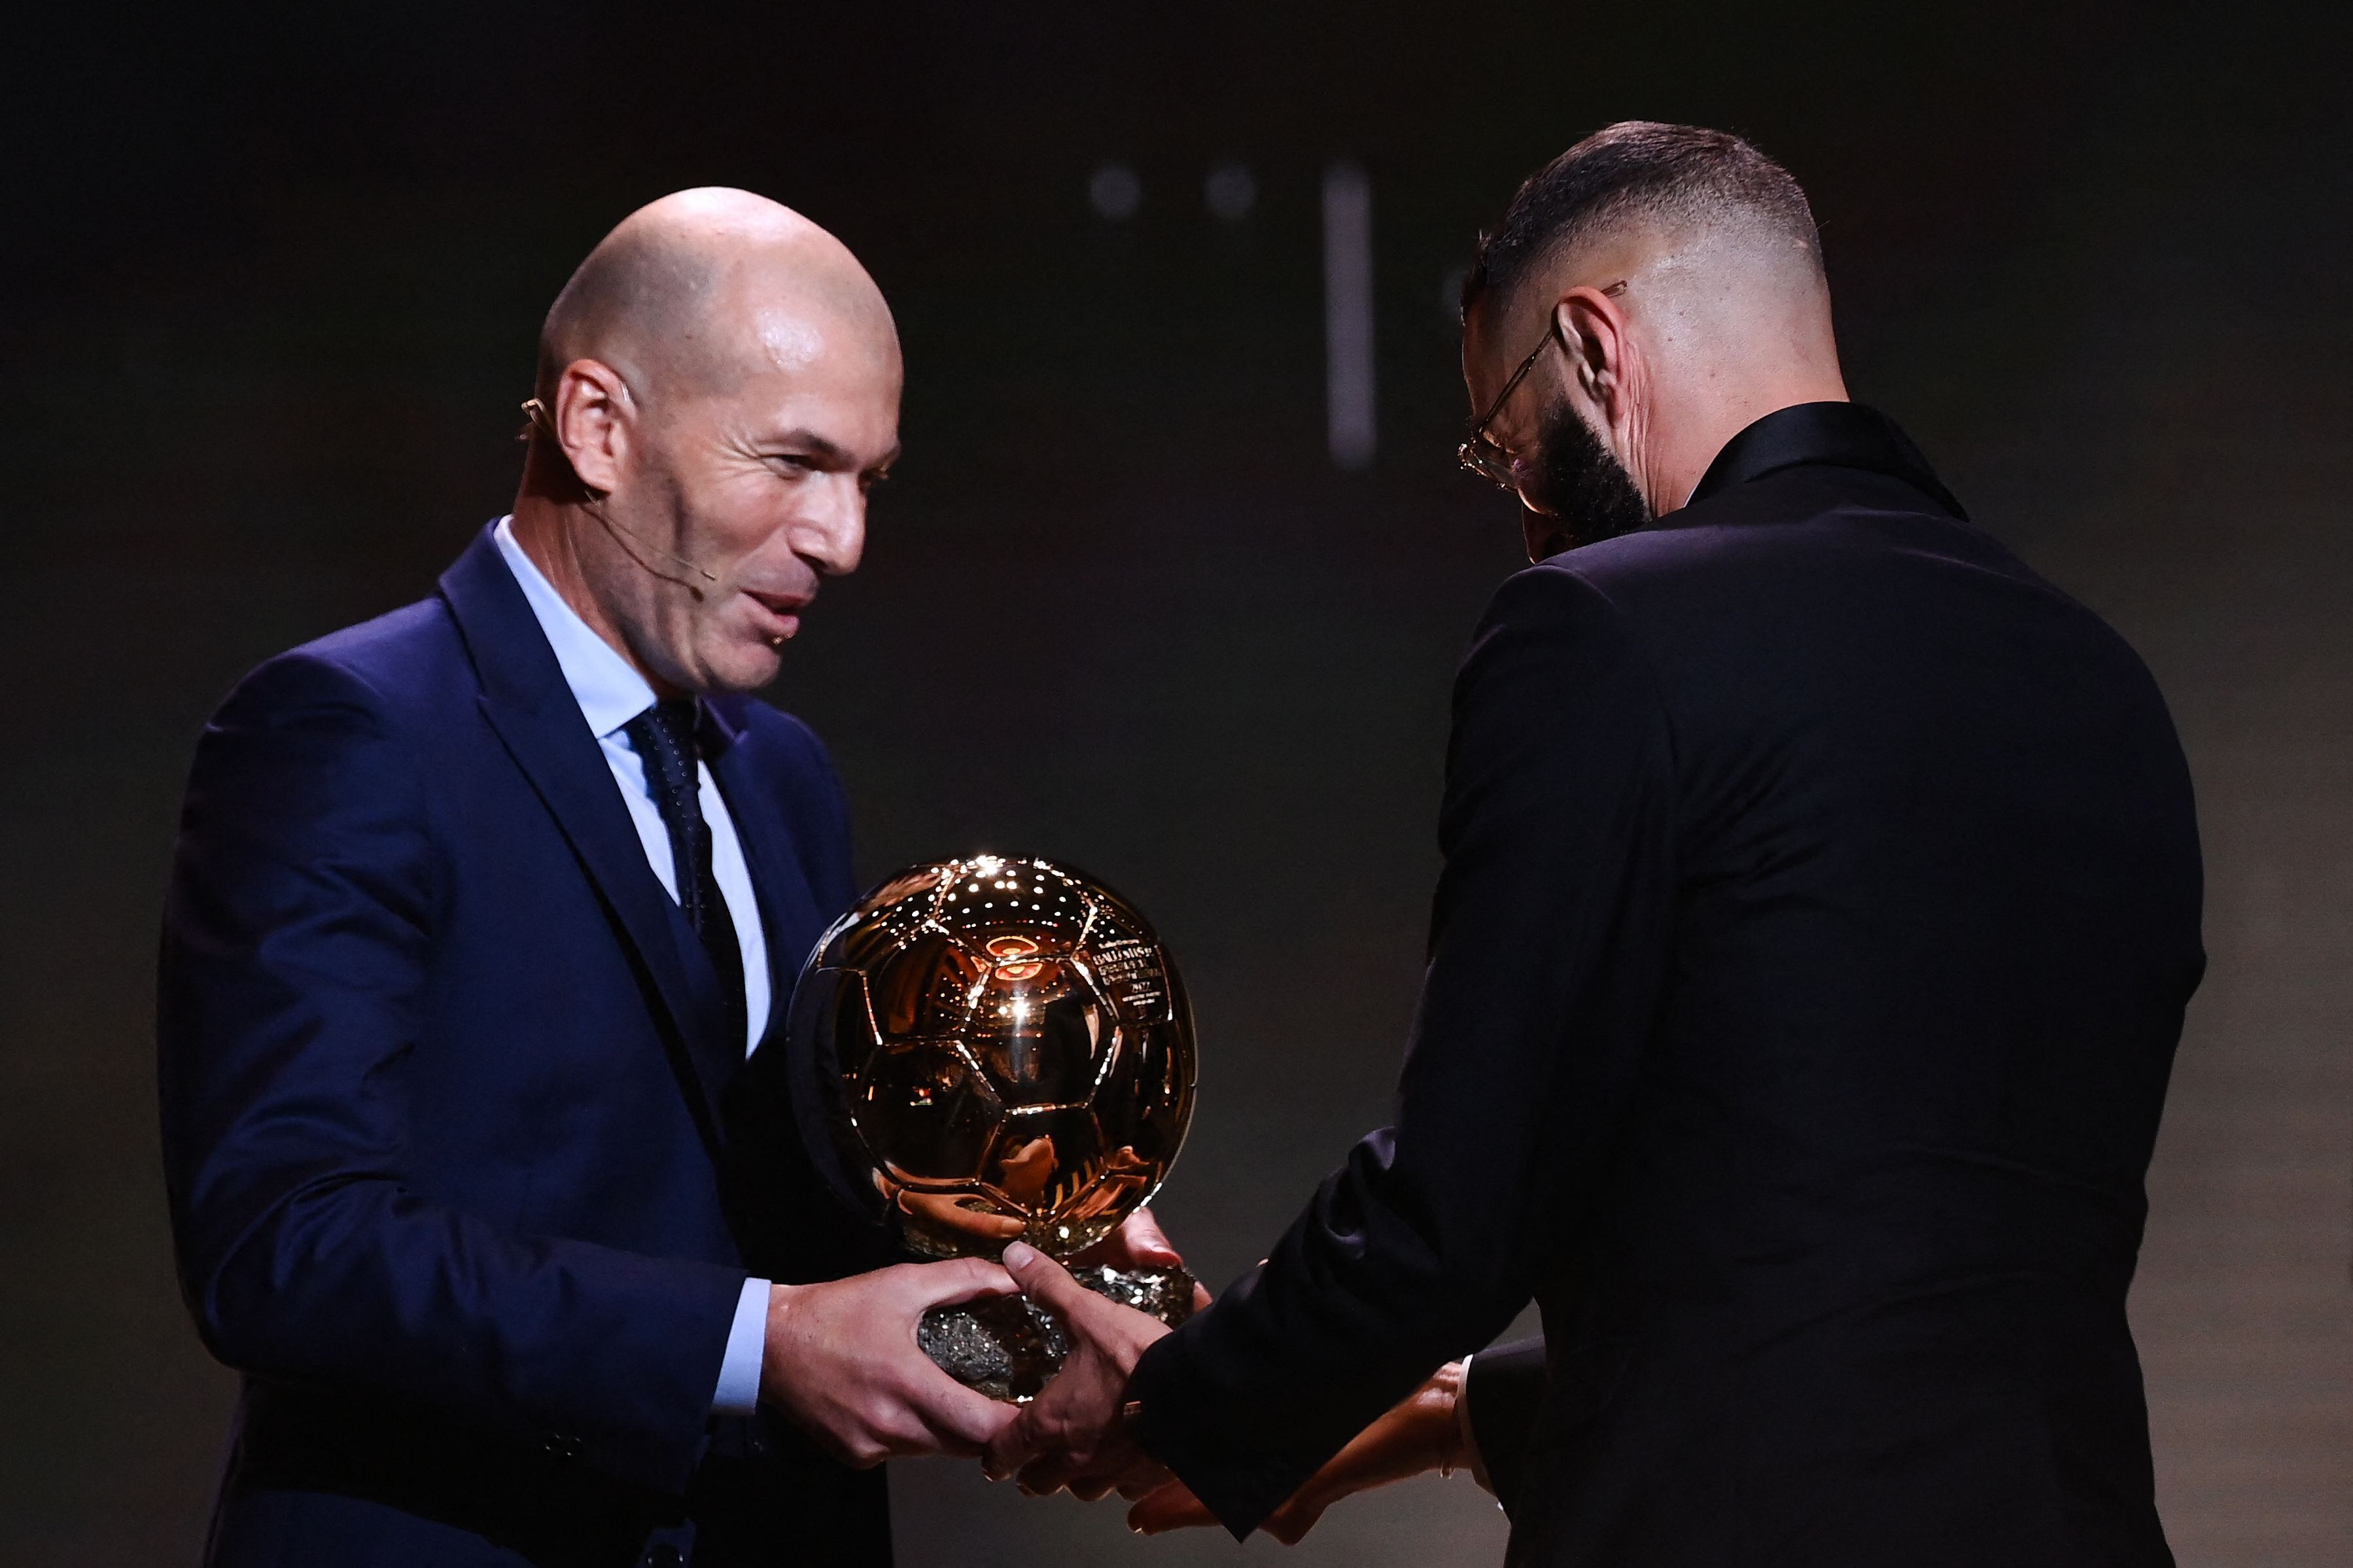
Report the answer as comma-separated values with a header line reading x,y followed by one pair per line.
x,y
1820,901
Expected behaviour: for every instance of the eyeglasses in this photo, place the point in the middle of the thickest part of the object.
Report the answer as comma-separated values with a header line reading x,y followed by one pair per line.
x,y
1481,455
1484,458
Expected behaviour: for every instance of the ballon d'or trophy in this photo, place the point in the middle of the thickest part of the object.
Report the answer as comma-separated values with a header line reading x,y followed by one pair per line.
x,y
1005,1053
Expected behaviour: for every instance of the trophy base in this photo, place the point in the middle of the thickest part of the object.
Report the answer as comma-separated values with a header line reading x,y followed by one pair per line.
x,y
1009,1348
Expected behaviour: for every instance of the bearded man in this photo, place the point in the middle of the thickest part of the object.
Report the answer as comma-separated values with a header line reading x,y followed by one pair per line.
x,y
1820,902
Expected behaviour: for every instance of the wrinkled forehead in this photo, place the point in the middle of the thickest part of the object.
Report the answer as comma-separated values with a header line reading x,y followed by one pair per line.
x,y
791,309
800,337
786,370
763,339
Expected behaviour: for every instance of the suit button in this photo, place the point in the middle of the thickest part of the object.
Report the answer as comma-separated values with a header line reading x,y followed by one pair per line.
x,y
665,1556
563,1448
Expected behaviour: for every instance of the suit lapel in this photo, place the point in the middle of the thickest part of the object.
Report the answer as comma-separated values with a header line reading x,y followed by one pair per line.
x,y
526,701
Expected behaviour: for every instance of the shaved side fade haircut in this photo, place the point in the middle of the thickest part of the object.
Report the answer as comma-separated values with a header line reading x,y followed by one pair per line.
x,y
1634,171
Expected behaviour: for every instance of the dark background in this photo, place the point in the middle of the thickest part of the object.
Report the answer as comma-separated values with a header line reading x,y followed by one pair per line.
x,y
269,288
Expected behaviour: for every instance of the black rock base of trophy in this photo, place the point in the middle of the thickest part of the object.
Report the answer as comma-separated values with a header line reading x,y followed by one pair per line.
x,y
1009,1348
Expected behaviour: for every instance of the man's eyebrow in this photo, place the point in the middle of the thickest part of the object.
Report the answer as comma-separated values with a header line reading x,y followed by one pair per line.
x,y
830,452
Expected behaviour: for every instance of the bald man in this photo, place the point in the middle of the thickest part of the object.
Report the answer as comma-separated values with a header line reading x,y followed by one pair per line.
x,y
477,911
1820,901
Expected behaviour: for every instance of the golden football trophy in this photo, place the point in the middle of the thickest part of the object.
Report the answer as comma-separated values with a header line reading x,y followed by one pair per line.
x,y
1005,1053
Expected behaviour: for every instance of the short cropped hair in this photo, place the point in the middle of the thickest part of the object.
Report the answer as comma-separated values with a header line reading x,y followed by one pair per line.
x,y
1636,169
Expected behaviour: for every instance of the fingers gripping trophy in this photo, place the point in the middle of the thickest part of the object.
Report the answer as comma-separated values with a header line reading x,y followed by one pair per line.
x,y
1002,1051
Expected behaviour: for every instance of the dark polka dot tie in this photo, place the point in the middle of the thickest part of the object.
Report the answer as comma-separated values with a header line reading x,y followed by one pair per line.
x,y
665,739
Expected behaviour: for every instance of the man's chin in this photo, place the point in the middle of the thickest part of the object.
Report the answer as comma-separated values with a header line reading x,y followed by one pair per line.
x,y
751,668
738,668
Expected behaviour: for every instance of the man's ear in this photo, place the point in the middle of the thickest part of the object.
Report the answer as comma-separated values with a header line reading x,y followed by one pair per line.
x,y
594,417
1593,332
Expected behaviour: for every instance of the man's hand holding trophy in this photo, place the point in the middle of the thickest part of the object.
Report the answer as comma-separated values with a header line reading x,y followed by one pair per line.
x,y
1002,1059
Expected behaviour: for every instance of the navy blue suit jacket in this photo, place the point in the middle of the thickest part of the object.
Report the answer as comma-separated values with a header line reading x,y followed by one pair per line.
x,y
445,1085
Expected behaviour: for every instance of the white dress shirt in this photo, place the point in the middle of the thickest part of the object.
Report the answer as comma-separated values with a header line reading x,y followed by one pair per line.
x,y
610,693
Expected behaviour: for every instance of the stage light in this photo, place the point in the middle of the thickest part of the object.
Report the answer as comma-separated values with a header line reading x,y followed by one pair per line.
x,y
1115,193
1348,314
1230,192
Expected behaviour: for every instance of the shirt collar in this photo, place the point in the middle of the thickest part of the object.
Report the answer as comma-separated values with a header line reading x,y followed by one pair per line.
x,y
610,692
1843,434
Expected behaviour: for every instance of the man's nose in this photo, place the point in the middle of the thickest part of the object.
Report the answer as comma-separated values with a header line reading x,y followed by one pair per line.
x,y
832,533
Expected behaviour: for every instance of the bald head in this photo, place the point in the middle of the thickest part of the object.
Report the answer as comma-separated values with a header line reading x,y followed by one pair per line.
x,y
718,391
694,292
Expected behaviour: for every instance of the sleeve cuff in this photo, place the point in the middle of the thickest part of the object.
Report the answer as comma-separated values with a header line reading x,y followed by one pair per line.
x,y
1467,1435
1237,1480
739,1369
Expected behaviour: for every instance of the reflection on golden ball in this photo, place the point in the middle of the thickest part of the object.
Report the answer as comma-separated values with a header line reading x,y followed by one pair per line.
x,y
1012,1051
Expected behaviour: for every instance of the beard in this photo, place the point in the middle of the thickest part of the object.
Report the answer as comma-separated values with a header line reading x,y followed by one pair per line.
x,y
1585,492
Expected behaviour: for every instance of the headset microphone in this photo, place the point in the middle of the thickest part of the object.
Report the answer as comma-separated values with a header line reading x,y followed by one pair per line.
x,y
536,412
